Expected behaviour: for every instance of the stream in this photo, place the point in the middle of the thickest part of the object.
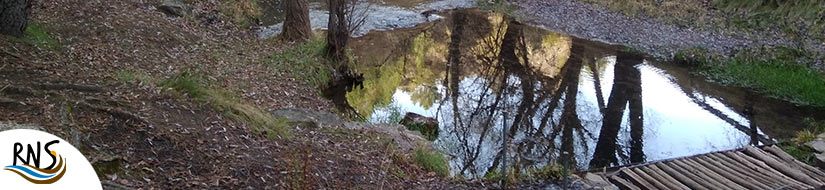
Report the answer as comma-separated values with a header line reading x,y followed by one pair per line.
x,y
506,93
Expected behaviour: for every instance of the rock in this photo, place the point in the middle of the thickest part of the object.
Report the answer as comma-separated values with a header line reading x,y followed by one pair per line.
x,y
426,125
403,138
414,118
322,119
172,7
9,126
817,145
820,160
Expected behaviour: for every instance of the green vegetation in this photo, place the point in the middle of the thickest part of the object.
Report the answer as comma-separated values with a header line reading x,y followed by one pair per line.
x,y
804,136
415,68
228,104
795,17
798,151
777,78
805,17
132,76
429,132
796,146
243,12
36,34
305,61
777,73
548,172
809,134
431,161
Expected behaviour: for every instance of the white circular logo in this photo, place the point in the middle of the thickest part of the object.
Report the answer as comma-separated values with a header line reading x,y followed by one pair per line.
x,y
34,159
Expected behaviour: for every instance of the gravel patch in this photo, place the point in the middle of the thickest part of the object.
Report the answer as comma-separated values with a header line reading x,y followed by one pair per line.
x,y
657,38
378,17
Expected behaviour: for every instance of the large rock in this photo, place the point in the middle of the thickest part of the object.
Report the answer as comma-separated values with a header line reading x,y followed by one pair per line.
x,y
403,138
305,116
172,7
427,126
818,145
414,118
820,160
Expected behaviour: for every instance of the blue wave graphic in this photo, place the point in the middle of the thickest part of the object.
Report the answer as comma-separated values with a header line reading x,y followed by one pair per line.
x,y
29,171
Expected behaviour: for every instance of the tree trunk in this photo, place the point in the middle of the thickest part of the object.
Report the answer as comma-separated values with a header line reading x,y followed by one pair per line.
x,y
296,27
14,16
337,36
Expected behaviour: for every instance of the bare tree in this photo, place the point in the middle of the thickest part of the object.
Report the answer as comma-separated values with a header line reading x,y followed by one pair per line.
x,y
338,35
357,13
14,16
296,27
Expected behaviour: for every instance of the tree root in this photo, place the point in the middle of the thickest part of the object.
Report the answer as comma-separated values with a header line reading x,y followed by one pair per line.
x,y
108,184
114,112
75,87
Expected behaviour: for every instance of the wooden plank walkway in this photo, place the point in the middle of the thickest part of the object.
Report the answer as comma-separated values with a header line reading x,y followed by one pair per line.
x,y
766,167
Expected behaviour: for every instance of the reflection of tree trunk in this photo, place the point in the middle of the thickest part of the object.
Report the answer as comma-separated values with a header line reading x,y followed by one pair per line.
x,y
454,58
570,117
636,115
509,62
511,45
337,35
750,114
623,81
296,25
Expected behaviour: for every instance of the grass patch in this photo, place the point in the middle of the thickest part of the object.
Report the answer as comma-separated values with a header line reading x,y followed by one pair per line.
x,y
799,151
796,17
776,77
132,76
776,73
305,61
431,161
36,35
552,172
229,105
243,12
796,146
804,136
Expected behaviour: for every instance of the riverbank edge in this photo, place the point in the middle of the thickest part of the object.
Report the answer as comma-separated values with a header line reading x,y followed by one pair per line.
x,y
710,51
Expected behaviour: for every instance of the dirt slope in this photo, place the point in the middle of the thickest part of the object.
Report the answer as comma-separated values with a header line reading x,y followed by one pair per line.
x,y
142,136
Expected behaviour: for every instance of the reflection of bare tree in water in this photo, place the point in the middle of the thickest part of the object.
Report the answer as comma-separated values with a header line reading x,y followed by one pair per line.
x,y
509,77
544,127
626,89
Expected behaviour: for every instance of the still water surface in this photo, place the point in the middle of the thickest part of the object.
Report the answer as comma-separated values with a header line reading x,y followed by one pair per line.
x,y
498,87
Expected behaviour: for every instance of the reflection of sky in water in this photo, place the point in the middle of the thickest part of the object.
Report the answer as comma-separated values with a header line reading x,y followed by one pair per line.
x,y
674,126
